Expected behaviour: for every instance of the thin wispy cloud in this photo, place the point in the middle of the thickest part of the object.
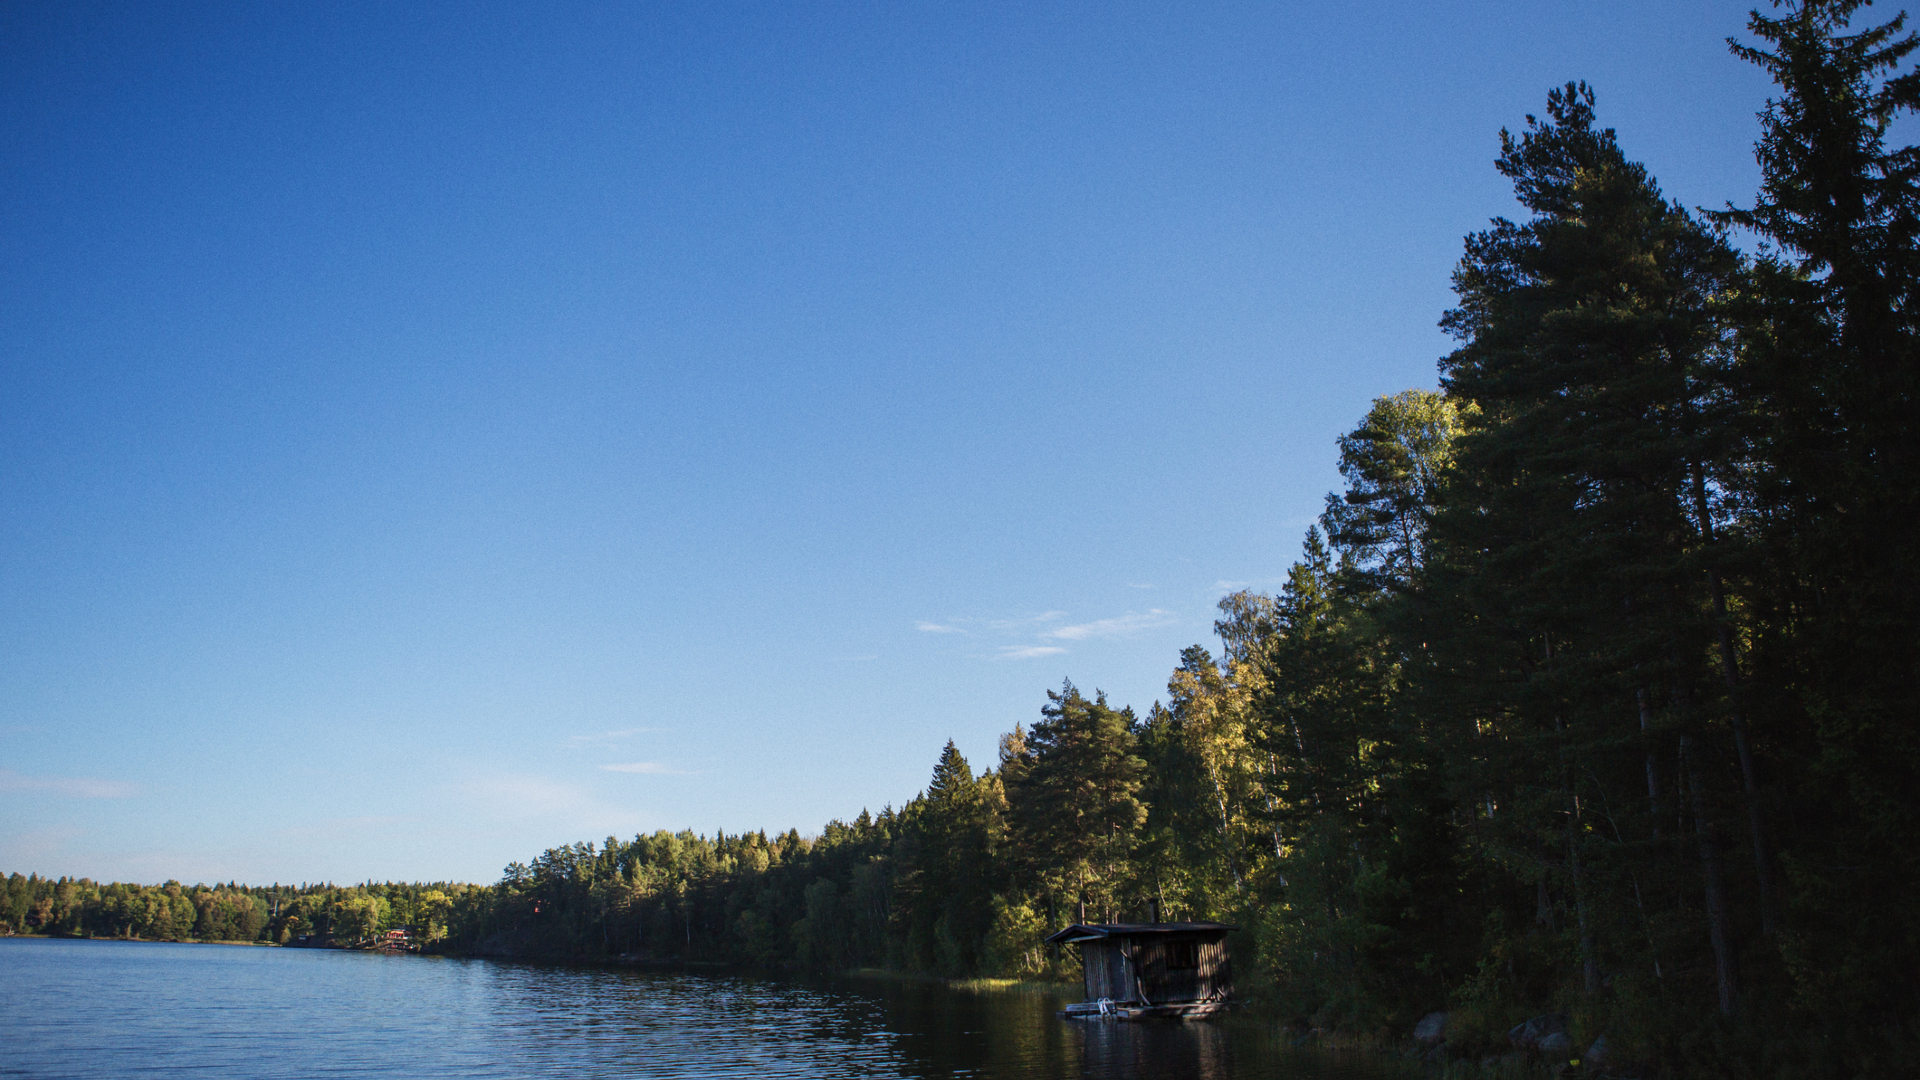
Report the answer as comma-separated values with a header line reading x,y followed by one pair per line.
x,y
1022,624
489,800
1139,585
522,796
1223,587
73,787
644,768
326,828
1027,652
1043,630
1027,622
1129,623
605,737
368,821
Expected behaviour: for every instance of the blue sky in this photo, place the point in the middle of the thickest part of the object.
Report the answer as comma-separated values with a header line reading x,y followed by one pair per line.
x,y
433,433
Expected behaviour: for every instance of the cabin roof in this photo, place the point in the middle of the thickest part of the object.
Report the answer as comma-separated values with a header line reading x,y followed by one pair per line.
x,y
1104,931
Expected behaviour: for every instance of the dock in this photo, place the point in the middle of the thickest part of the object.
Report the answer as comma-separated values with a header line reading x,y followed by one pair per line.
x,y
1134,1010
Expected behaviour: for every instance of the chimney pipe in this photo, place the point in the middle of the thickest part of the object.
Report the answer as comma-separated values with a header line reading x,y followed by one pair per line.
x,y
1156,911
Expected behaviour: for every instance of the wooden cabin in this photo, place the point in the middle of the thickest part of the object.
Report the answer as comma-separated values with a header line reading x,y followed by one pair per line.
x,y
1137,970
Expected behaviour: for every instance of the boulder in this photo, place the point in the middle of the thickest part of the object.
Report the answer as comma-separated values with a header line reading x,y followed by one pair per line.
x,y
1596,1058
1431,1029
1527,1036
1557,1044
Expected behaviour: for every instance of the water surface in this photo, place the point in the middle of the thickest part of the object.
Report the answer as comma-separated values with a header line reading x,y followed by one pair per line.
x,y
134,1009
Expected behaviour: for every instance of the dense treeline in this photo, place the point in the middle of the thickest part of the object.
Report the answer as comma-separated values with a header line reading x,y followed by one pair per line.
x,y
279,914
1593,690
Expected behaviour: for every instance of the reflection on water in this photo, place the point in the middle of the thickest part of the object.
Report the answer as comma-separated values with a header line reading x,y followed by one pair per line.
x,y
115,1009
1198,1050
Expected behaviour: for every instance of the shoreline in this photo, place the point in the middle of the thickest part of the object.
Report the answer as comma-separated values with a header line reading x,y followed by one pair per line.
x,y
144,941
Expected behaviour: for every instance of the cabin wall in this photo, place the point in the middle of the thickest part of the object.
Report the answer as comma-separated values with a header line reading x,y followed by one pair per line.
x,y
1216,970
1108,973
1210,979
1162,980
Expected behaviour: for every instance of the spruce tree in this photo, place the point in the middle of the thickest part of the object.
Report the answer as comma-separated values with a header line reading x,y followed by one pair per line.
x,y
1830,593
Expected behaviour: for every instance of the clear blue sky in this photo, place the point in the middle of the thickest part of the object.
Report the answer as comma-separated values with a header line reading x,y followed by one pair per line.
x,y
410,413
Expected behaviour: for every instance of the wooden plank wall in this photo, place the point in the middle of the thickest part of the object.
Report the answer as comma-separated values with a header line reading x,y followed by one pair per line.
x,y
1208,981
1108,975
1106,971
1216,970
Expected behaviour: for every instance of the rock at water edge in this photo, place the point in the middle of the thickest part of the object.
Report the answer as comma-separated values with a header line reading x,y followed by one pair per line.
x,y
1528,1035
1431,1029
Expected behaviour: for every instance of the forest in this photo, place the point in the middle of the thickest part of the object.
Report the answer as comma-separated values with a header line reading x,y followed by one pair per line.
x,y
1594,689
276,914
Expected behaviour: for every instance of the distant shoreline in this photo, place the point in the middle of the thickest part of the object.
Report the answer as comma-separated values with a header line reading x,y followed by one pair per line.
x,y
141,941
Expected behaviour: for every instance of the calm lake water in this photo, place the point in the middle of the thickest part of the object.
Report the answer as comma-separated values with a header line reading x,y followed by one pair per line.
x,y
121,1009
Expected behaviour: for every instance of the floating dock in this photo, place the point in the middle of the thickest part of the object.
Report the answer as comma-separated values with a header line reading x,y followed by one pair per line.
x,y
1133,1010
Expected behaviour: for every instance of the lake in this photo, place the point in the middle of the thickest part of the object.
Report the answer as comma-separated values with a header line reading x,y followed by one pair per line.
x,y
136,1009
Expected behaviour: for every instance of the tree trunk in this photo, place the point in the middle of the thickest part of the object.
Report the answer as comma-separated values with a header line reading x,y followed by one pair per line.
x,y
1723,969
1589,965
1588,961
1653,774
1730,670
1226,828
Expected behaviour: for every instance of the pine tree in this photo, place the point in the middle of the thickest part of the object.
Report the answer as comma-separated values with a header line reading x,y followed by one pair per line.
x,y
1594,353
1078,802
